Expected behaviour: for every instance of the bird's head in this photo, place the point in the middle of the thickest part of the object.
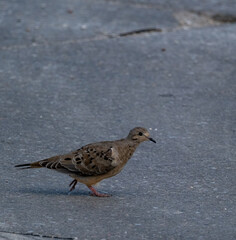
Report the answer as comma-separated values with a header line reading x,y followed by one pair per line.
x,y
139,135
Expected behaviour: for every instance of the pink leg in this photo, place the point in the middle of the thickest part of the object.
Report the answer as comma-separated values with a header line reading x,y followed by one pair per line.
x,y
96,193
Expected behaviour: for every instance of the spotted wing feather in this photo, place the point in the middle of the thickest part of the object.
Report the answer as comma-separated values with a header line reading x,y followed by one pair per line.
x,y
90,160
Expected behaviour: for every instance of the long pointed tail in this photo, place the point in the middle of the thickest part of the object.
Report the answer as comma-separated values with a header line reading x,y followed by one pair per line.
x,y
29,165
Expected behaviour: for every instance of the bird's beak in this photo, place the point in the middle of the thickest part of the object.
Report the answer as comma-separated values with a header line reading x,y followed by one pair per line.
x,y
150,139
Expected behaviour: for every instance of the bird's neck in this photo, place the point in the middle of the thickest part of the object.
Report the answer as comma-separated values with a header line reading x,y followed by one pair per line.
x,y
131,142
129,148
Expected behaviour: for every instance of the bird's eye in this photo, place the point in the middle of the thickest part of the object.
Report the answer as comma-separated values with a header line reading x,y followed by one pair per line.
x,y
140,134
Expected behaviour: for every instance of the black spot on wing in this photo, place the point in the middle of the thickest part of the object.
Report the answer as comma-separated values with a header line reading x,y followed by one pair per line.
x,y
78,160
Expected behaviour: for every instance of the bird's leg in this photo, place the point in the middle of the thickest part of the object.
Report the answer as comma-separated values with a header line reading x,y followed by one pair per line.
x,y
73,184
96,193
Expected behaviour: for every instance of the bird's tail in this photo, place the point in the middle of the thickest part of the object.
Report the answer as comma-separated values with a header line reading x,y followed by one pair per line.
x,y
29,165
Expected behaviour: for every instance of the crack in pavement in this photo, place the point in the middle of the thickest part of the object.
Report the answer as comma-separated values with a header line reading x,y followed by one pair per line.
x,y
140,31
12,234
224,18
187,20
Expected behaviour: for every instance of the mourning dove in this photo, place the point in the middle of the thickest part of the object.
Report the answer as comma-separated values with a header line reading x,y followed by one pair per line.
x,y
96,161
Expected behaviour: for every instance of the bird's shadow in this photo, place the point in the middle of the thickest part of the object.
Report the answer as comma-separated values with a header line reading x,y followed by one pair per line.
x,y
60,192
50,191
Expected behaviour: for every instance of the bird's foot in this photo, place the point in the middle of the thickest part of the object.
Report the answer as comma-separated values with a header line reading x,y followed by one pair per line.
x,y
100,194
73,184
97,194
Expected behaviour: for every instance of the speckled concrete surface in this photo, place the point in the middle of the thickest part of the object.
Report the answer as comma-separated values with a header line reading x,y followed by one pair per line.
x,y
63,86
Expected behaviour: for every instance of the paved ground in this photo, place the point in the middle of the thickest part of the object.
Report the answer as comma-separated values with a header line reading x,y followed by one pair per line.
x,y
74,72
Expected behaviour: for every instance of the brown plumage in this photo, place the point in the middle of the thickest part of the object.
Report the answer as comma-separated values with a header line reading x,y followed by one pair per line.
x,y
96,161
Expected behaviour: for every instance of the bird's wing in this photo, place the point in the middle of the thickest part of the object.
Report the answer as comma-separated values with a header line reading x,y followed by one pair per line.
x,y
90,160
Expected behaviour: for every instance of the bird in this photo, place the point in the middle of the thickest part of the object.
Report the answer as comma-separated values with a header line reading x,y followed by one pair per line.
x,y
94,162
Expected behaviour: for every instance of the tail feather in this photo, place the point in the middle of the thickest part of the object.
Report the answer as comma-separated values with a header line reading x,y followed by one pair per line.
x,y
28,165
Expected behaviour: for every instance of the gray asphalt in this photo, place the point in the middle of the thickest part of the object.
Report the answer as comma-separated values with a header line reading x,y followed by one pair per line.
x,y
75,72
